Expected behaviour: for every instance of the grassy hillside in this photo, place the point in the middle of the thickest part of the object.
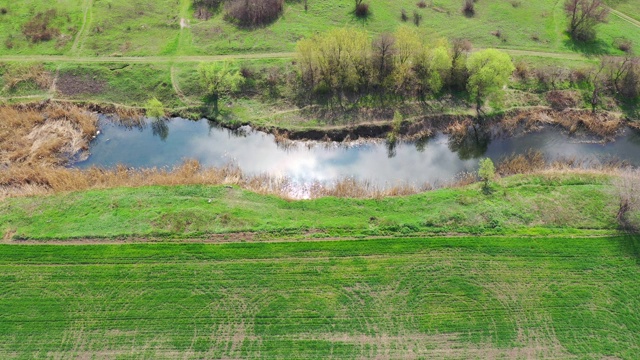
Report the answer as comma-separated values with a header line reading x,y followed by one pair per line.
x,y
518,205
142,28
456,298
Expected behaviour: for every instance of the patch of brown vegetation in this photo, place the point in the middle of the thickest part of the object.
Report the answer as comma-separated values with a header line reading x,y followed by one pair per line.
x,y
604,125
15,75
70,84
521,163
45,136
560,100
37,29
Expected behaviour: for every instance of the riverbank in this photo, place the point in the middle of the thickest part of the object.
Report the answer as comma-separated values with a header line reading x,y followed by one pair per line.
x,y
569,203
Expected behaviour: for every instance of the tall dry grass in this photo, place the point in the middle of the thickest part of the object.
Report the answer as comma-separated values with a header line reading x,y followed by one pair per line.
x,y
23,180
603,124
47,136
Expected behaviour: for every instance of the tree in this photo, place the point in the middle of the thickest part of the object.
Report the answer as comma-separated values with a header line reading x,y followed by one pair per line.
x,y
489,70
219,79
584,15
154,109
408,45
433,67
487,172
460,49
338,61
383,52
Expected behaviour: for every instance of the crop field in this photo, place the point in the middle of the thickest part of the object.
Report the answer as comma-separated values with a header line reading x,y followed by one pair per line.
x,y
456,298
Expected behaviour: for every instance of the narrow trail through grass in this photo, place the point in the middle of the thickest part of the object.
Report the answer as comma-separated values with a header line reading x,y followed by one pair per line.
x,y
79,40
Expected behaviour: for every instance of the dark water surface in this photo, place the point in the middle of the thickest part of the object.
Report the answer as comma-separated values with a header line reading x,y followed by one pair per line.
x,y
437,160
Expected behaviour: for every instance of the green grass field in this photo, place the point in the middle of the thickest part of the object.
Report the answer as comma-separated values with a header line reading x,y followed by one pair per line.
x,y
519,205
143,28
454,298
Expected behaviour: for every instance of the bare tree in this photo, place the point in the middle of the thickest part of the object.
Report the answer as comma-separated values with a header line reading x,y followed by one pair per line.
x,y
383,51
627,186
584,15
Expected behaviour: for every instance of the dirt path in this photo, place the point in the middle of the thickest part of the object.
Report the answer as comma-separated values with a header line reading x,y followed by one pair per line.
x,y
88,4
212,58
625,17
141,60
178,91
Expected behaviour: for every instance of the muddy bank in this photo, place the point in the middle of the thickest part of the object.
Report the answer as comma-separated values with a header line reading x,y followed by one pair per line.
x,y
378,123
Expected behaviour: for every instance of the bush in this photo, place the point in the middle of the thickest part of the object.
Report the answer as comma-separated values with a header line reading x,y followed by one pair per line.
x,y
3,11
154,109
560,100
37,29
417,18
421,4
362,10
623,44
468,9
254,12
403,15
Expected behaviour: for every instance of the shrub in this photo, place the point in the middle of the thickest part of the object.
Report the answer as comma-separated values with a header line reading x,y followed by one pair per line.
x,y
560,100
487,173
37,29
3,11
254,12
468,9
154,109
623,44
417,18
403,15
362,10
422,4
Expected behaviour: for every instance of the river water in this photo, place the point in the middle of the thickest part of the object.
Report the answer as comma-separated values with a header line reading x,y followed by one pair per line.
x,y
434,161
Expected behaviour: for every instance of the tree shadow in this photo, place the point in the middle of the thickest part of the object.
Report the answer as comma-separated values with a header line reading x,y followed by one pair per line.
x,y
589,48
630,244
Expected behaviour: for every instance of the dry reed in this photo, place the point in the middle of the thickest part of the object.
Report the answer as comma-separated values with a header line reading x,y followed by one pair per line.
x,y
48,136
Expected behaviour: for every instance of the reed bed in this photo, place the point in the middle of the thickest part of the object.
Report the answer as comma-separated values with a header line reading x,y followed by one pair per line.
x,y
48,136
603,124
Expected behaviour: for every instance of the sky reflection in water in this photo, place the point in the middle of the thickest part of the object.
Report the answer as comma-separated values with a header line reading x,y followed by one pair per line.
x,y
169,144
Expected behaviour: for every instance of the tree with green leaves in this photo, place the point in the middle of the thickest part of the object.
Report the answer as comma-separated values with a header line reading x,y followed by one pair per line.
x,y
487,172
489,71
219,79
433,67
154,109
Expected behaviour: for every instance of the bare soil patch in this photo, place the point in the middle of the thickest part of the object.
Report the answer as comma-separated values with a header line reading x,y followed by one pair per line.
x,y
70,84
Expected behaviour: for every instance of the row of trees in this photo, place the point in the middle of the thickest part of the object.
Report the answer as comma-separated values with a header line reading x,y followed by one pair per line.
x,y
346,63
